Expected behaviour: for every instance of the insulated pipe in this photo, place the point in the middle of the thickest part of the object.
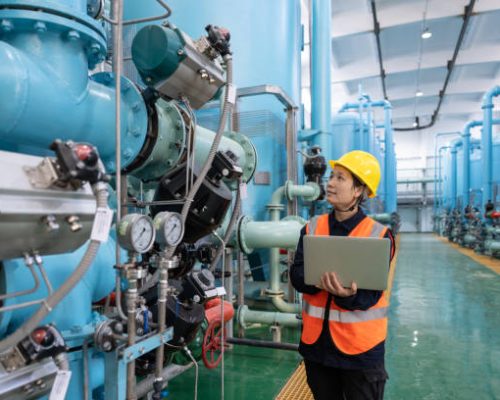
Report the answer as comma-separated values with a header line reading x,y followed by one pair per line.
x,y
247,316
487,143
321,61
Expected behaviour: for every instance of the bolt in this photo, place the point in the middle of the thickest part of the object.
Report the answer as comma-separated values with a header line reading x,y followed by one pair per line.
x,y
148,79
107,345
196,298
136,107
118,327
178,124
73,35
94,49
142,350
130,356
39,382
180,52
6,25
40,27
211,80
127,153
136,132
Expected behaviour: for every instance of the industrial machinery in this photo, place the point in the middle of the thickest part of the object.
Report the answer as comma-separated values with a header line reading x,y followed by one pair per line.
x,y
467,197
130,192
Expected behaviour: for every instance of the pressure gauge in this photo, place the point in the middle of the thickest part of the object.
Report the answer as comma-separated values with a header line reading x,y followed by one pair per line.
x,y
169,228
136,233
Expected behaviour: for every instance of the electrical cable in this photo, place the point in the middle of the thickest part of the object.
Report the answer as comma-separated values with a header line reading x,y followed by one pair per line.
x,y
101,192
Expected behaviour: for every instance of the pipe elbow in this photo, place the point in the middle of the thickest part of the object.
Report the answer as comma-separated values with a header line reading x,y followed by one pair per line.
x,y
488,97
14,82
283,306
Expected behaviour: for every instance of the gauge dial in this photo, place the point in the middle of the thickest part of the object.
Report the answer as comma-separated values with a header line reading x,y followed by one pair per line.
x,y
169,228
136,233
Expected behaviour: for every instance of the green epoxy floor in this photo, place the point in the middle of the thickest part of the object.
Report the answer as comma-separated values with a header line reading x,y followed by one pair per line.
x,y
444,325
250,373
444,336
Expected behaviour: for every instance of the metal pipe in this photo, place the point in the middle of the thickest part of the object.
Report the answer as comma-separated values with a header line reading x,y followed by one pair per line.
x,y
131,296
321,61
228,268
268,234
264,343
454,149
162,315
28,261
487,144
167,374
247,316
440,173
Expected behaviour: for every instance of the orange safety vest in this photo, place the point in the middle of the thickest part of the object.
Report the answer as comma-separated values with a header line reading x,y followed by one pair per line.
x,y
353,332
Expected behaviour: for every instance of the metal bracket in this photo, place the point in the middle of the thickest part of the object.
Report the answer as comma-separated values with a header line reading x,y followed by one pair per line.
x,y
44,175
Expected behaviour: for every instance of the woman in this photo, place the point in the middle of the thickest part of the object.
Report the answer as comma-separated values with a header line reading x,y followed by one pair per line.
x,y
344,360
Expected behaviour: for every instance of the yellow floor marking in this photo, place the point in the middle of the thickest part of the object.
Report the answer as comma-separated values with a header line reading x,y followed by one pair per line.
x,y
296,388
487,261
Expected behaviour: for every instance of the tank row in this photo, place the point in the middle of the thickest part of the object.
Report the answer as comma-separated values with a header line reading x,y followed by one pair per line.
x,y
467,197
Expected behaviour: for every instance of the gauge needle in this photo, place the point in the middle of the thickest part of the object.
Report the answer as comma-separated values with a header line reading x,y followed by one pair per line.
x,y
142,233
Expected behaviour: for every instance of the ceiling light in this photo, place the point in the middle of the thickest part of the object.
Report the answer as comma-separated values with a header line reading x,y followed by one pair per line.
x,y
426,34
419,93
415,124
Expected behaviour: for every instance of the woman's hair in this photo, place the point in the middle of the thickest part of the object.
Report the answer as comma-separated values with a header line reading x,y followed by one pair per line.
x,y
357,183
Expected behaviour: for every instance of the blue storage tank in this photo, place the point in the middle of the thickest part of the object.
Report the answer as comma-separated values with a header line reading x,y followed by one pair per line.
x,y
266,41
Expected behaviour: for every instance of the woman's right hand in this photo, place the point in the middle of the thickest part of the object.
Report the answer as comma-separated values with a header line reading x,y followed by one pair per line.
x,y
331,283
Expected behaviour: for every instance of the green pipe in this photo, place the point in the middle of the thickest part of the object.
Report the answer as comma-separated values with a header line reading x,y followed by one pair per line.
x,y
247,317
268,234
384,218
285,307
492,246
469,239
493,230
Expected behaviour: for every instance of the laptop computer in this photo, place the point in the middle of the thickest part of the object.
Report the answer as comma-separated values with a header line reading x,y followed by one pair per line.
x,y
362,260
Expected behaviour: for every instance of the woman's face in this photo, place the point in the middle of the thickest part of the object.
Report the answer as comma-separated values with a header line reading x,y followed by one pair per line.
x,y
340,191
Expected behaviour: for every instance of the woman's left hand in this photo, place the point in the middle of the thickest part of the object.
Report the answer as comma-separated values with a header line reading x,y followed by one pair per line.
x,y
330,283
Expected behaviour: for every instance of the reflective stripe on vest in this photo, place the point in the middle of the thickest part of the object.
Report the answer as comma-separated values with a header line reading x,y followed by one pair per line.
x,y
353,332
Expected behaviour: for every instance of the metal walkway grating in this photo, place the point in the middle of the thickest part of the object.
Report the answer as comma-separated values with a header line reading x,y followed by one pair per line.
x,y
296,388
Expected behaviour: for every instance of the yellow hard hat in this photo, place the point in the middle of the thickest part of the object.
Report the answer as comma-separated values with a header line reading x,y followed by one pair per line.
x,y
362,164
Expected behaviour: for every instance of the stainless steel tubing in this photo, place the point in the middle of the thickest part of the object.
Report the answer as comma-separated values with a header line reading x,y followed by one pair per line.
x,y
131,334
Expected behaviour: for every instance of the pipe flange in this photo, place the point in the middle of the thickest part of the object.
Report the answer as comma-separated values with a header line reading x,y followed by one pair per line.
x,y
56,17
169,148
250,156
137,123
274,293
241,316
240,237
279,207
288,190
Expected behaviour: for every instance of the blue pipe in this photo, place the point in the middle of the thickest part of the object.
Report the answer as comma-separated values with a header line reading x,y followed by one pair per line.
x,y
391,201
435,204
440,173
45,91
390,156
487,143
321,78
454,148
